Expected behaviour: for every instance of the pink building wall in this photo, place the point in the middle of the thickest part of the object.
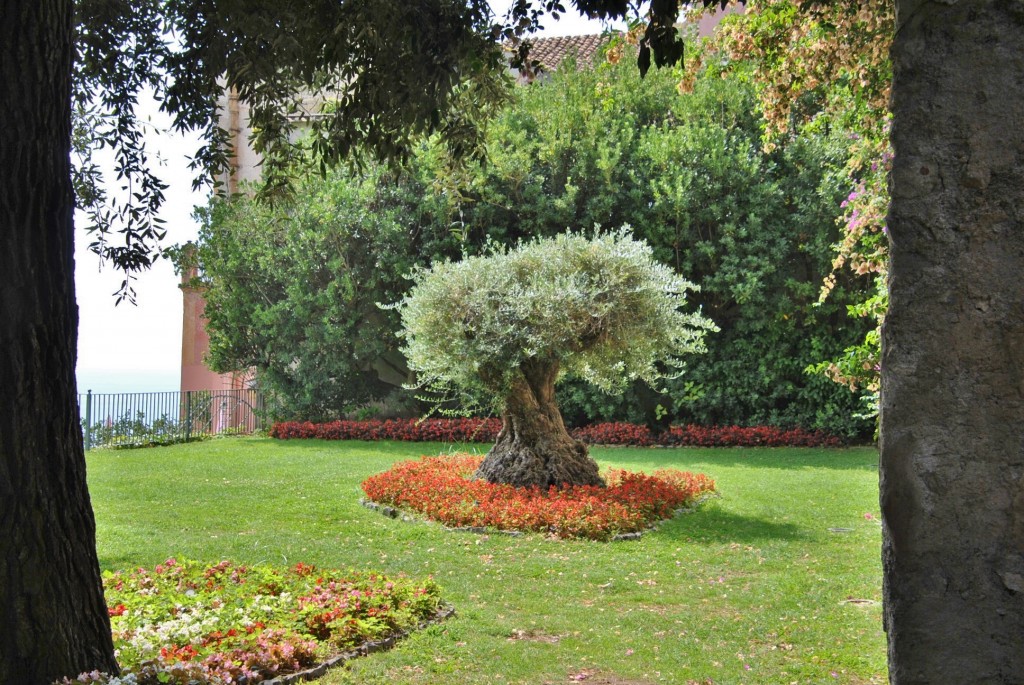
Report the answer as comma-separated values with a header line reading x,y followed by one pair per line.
x,y
219,402
195,342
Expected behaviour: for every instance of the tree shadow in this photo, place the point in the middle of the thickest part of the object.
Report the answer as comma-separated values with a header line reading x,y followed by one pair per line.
x,y
382,446
125,561
792,458
713,524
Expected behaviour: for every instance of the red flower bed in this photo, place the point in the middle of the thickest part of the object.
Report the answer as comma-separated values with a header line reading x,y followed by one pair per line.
x,y
618,433
748,437
486,430
439,488
406,430
704,436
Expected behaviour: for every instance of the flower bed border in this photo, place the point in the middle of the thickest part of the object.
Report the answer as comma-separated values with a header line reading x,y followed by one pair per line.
x,y
619,434
395,513
444,613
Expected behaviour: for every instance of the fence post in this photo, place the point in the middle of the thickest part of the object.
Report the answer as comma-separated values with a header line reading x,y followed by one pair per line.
x,y
188,415
88,420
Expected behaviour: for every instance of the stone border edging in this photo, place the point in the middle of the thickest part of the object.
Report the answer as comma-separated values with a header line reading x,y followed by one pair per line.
x,y
445,612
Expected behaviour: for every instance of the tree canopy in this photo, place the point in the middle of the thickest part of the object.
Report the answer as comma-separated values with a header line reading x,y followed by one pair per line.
x,y
366,79
601,309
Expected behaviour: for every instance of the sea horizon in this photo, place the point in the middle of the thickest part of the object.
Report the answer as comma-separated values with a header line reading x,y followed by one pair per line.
x,y
110,381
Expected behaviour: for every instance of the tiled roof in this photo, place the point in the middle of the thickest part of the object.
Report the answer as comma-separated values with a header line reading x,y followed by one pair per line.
x,y
551,51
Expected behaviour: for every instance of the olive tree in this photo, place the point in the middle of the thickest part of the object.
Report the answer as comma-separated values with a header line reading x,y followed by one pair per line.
x,y
502,328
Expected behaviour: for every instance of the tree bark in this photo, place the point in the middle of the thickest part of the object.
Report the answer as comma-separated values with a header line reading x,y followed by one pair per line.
x,y
952,432
53,621
533,446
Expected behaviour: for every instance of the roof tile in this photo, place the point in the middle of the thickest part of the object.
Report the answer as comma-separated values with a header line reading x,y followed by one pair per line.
x,y
551,52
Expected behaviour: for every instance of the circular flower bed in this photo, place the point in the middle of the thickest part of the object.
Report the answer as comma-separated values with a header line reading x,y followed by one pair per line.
x,y
440,488
184,622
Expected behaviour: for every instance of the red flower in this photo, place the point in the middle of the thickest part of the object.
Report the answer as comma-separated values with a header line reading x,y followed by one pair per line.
x,y
176,653
302,569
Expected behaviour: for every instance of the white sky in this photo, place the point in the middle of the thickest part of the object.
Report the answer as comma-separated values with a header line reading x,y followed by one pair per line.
x,y
138,349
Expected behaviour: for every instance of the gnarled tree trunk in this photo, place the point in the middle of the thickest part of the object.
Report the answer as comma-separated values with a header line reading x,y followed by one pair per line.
x,y
533,447
952,434
53,621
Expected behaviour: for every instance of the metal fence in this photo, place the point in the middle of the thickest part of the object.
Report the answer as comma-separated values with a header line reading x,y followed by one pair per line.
x,y
145,418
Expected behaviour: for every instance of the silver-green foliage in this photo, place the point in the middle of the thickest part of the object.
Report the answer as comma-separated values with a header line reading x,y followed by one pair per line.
x,y
600,308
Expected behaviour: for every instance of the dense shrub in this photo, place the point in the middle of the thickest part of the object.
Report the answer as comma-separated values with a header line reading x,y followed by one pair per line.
x,y
486,430
293,290
439,488
754,229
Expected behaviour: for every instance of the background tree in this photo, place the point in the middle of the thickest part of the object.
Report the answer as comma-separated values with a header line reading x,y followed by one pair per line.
x,y
689,174
501,329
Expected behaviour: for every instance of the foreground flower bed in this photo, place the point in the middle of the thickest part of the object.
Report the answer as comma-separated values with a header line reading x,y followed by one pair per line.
x,y
486,430
186,623
439,488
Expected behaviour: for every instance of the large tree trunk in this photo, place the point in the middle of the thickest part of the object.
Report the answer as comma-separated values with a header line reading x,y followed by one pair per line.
x,y
53,621
952,435
533,447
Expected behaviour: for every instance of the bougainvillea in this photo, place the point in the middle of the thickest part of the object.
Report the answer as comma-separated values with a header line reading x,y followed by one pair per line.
x,y
440,489
485,430
183,622
822,64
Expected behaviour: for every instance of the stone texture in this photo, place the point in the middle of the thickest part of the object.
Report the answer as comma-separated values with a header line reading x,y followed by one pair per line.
x,y
952,433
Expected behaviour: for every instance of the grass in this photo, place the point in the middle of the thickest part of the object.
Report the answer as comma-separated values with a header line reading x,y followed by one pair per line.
x,y
752,588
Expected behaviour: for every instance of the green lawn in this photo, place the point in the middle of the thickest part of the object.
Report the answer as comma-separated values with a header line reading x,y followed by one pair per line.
x,y
751,588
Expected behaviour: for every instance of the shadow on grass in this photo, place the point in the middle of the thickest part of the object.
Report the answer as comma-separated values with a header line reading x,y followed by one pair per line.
x,y
712,524
845,459
383,446
121,562
848,458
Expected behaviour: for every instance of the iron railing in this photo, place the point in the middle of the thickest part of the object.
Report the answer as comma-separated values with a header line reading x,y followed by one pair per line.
x,y
144,418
